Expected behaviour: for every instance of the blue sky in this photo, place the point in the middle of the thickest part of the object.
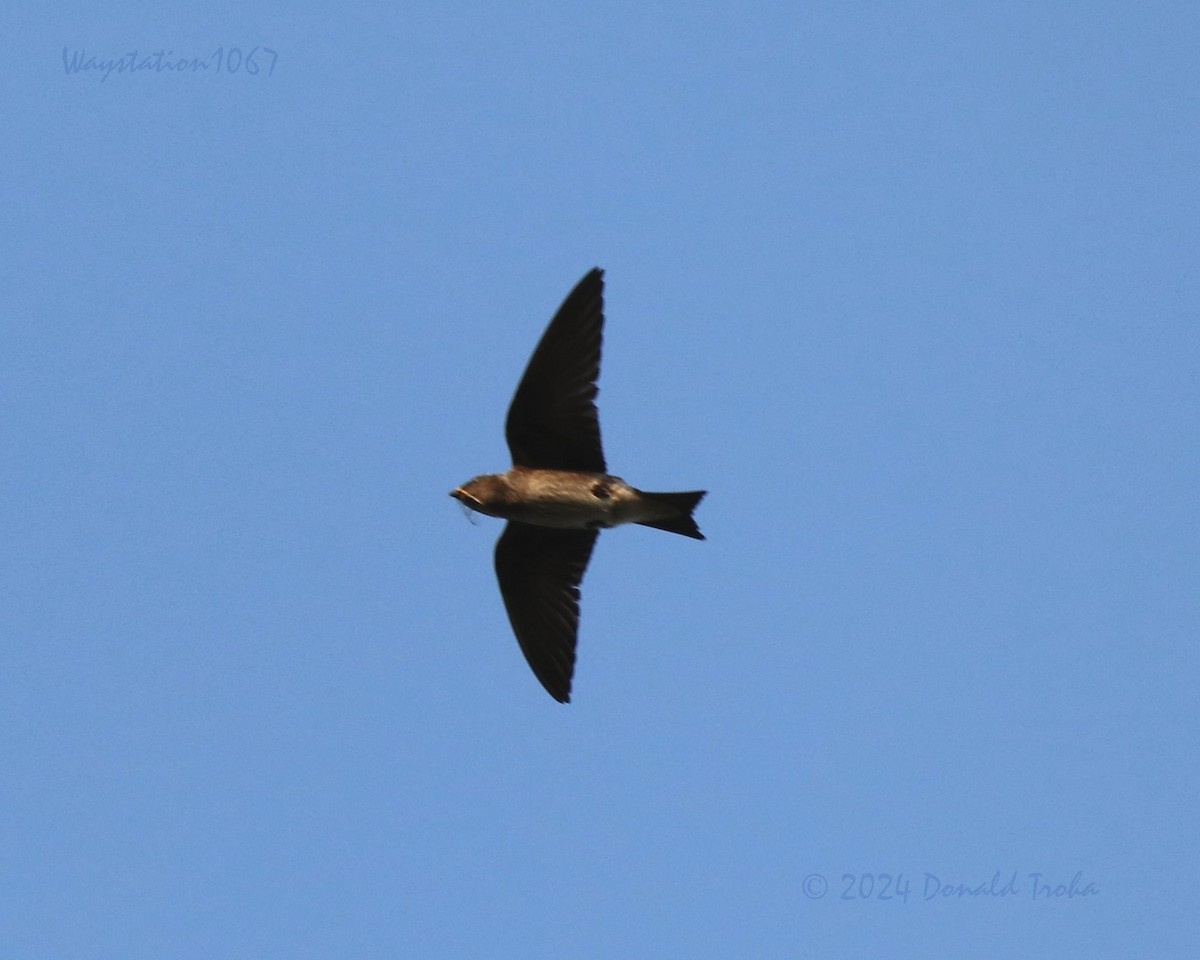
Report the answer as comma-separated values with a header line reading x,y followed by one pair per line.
x,y
910,288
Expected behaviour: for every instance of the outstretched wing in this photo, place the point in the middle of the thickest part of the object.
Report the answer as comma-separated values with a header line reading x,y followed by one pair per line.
x,y
539,570
552,421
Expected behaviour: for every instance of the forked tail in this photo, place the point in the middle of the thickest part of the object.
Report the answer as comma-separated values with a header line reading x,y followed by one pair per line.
x,y
683,504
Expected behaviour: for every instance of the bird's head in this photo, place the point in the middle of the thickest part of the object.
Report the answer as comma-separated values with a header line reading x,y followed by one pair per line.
x,y
482,494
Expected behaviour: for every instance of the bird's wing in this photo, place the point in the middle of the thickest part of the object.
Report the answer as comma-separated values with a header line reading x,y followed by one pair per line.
x,y
552,421
539,570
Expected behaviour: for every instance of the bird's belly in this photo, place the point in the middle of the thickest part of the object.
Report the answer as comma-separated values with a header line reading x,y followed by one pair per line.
x,y
573,501
549,511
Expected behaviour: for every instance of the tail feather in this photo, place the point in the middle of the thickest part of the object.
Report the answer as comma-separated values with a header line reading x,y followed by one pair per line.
x,y
682,523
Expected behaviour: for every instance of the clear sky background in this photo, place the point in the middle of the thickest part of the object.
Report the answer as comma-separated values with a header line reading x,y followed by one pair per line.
x,y
910,288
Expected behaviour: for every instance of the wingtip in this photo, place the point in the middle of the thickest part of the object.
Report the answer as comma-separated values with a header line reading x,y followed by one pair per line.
x,y
562,696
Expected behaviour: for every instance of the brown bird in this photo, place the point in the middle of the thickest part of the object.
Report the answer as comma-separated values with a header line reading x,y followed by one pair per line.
x,y
558,494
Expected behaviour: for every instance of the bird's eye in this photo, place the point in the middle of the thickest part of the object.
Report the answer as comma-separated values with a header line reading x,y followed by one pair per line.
x,y
600,491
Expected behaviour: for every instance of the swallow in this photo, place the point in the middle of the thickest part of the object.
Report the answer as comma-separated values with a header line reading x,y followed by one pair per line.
x,y
559,494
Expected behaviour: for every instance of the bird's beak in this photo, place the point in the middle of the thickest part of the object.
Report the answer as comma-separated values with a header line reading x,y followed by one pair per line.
x,y
461,495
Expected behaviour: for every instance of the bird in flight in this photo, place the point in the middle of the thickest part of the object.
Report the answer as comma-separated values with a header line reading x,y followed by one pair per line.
x,y
559,494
